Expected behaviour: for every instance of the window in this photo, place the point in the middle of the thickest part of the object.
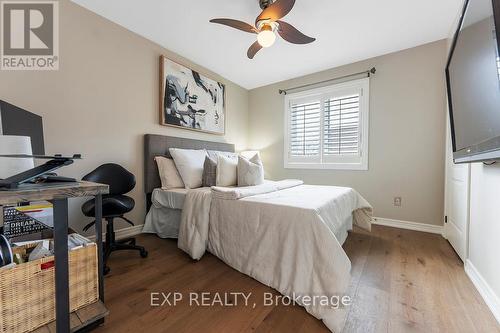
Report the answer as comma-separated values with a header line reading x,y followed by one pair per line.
x,y
327,128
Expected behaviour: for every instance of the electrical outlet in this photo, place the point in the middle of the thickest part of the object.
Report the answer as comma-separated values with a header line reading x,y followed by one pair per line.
x,y
397,201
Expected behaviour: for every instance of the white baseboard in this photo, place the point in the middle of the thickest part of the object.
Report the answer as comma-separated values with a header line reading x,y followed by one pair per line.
x,y
434,229
123,233
484,289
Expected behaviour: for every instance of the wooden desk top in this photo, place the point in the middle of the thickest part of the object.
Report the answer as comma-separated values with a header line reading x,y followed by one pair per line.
x,y
80,189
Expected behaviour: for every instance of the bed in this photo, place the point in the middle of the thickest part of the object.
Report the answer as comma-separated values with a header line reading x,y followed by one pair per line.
x,y
285,234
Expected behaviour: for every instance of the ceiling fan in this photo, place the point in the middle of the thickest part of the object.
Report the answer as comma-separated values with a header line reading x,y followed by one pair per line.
x,y
267,24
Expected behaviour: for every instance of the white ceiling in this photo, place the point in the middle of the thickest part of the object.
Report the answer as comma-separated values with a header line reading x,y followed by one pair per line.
x,y
346,31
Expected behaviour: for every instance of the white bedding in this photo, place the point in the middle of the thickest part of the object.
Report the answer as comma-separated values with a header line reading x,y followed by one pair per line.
x,y
233,193
164,216
283,237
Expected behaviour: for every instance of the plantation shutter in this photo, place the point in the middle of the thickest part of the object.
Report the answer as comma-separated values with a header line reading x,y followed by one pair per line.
x,y
341,131
327,127
305,128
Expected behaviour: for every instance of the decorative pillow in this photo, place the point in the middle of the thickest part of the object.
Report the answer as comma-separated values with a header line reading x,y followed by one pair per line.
x,y
250,171
189,163
227,169
169,175
209,177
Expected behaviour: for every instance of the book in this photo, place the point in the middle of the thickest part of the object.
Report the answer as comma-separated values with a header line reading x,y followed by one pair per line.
x,y
26,220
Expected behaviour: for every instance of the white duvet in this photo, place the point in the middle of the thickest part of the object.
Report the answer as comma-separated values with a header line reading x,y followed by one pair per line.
x,y
281,234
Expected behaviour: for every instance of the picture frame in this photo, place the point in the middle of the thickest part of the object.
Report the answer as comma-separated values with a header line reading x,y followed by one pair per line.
x,y
191,100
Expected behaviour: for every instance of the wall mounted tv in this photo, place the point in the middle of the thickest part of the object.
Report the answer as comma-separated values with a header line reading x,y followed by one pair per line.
x,y
473,81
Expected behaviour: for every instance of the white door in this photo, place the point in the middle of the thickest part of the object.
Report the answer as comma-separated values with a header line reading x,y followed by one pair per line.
x,y
456,227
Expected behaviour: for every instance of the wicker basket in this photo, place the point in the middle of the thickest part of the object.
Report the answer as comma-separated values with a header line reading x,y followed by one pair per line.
x,y
27,291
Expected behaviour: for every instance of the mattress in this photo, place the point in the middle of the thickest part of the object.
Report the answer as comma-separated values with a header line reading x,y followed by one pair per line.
x,y
173,198
164,217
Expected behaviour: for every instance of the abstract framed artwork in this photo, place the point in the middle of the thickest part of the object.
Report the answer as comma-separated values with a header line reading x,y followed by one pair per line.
x,y
191,100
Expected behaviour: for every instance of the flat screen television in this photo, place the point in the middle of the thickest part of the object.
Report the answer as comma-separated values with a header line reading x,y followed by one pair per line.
x,y
473,82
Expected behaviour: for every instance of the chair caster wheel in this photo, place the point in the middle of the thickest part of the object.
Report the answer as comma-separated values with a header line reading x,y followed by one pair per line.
x,y
106,270
144,254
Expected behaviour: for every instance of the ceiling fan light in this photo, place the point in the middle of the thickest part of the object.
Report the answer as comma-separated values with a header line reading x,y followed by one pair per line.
x,y
266,38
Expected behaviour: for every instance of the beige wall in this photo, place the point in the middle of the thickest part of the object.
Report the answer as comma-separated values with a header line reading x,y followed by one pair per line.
x,y
407,141
105,98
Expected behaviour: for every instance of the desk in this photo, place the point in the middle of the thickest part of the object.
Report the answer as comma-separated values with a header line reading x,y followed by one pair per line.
x,y
59,196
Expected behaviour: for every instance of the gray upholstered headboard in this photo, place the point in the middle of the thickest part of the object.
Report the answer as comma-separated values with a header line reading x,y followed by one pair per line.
x,y
158,145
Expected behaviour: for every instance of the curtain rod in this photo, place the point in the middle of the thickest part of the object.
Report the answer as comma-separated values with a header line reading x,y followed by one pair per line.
x,y
368,73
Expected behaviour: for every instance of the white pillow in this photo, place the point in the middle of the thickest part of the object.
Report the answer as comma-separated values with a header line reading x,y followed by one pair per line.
x,y
189,163
250,171
169,175
227,171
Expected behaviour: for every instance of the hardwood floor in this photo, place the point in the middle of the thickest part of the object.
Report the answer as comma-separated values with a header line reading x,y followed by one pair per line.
x,y
402,281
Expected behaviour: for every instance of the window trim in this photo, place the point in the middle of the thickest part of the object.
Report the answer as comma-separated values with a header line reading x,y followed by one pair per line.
x,y
362,85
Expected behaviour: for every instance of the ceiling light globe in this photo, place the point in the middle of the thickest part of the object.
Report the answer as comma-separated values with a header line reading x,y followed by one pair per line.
x,y
266,38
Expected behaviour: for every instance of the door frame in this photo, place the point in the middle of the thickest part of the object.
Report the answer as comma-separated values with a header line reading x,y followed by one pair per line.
x,y
449,165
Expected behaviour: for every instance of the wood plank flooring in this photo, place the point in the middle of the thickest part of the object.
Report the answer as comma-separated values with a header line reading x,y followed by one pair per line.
x,y
402,281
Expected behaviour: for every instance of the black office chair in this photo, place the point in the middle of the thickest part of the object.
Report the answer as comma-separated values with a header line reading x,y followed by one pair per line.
x,y
114,205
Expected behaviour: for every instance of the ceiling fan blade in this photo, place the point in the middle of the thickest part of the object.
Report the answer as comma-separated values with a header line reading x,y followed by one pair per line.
x,y
276,11
243,26
292,35
253,50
